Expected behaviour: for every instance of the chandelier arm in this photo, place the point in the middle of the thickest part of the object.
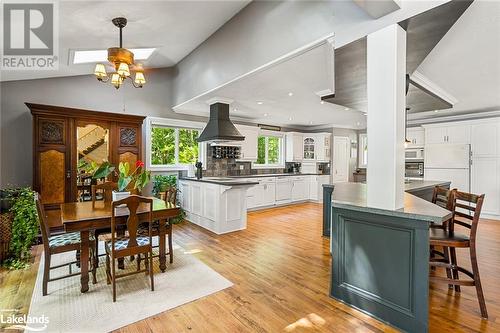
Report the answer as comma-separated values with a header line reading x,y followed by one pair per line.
x,y
104,80
133,83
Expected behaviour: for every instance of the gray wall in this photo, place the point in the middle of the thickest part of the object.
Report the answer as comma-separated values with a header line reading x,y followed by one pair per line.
x,y
155,99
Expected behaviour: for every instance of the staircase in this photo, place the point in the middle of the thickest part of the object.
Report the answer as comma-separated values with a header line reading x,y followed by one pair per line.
x,y
92,145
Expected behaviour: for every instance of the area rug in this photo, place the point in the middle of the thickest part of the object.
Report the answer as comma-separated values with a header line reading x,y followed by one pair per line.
x,y
68,310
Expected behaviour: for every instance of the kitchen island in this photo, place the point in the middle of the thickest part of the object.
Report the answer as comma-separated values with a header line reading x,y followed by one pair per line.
x,y
380,257
215,203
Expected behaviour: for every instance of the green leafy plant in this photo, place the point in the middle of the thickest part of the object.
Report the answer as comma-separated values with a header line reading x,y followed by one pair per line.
x,y
162,182
24,228
140,177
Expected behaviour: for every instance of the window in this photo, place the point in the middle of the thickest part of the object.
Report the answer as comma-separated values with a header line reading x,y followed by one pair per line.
x,y
269,151
363,151
172,145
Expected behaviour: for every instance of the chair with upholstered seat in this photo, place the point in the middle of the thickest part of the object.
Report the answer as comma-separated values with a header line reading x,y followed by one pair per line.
x,y
106,189
170,197
61,243
466,210
132,243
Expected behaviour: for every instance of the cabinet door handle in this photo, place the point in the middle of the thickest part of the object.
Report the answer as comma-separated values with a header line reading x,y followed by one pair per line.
x,y
68,174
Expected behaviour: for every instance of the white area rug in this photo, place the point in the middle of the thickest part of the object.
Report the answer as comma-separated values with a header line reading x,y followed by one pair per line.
x,y
68,310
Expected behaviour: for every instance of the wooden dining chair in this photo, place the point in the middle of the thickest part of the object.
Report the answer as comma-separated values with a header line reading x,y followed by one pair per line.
x,y
107,189
132,243
61,243
170,198
466,213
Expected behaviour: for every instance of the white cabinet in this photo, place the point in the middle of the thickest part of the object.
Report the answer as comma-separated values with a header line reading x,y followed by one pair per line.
x,y
485,139
283,189
454,134
486,180
300,188
416,136
269,192
323,147
294,147
309,144
313,188
262,195
249,145
184,194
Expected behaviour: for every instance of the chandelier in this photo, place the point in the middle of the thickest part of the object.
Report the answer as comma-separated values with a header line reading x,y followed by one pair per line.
x,y
121,59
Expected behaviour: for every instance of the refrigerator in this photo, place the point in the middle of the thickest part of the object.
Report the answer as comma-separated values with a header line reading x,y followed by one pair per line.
x,y
449,162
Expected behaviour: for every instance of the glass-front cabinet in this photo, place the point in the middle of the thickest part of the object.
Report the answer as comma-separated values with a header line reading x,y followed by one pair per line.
x,y
309,148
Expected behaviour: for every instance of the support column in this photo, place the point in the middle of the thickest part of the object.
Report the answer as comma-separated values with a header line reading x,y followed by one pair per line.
x,y
386,69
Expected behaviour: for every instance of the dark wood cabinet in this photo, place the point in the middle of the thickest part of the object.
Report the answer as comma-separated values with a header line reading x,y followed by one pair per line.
x,y
55,151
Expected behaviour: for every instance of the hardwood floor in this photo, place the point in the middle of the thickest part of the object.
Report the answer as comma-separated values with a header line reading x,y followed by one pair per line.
x,y
280,268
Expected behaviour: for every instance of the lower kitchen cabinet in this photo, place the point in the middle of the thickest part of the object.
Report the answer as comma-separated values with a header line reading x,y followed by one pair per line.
x,y
485,174
283,190
300,188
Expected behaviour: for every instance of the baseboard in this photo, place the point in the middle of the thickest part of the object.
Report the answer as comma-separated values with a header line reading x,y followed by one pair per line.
x,y
491,217
283,204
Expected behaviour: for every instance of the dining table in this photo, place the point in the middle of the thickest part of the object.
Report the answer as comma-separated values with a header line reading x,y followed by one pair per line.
x,y
84,217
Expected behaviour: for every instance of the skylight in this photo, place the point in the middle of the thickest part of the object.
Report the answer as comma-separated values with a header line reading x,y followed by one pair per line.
x,y
90,56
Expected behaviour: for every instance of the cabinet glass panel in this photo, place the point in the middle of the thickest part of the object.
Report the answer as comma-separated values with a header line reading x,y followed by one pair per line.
x,y
309,148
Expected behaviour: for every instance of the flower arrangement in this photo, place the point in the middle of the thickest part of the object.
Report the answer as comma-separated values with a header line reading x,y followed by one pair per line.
x,y
139,177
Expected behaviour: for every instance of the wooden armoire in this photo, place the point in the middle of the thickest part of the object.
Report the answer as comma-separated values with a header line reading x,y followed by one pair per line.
x,y
55,155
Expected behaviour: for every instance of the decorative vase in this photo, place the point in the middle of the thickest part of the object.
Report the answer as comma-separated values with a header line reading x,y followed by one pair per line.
x,y
120,195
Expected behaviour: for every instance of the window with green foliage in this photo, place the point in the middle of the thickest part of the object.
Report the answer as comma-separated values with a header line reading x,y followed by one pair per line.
x,y
268,150
174,146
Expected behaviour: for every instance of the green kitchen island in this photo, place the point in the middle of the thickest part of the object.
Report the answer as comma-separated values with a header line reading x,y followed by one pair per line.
x,y
381,257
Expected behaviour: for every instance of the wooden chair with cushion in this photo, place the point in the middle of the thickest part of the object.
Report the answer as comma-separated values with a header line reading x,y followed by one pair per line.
x,y
131,244
466,213
62,243
106,189
170,197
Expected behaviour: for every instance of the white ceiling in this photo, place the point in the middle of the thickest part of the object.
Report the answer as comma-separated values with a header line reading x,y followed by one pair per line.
x,y
465,64
174,27
303,76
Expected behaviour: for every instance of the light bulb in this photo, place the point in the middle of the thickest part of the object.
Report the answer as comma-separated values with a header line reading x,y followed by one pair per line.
x,y
123,69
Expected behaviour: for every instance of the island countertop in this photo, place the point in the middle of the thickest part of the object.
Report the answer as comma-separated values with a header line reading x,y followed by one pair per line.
x,y
353,196
226,181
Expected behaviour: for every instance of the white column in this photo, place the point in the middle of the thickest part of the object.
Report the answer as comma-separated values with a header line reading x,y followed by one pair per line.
x,y
386,69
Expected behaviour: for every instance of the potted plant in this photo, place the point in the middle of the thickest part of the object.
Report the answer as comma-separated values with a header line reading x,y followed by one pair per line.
x,y
138,178
161,183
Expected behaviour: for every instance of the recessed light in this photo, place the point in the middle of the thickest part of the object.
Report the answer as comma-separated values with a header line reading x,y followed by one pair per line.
x,y
290,118
310,123
357,124
235,109
290,94
265,114
260,103
322,102
89,56
436,111
347,109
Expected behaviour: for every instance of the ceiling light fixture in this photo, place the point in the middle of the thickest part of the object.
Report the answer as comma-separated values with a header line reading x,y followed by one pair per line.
x,y
260,103
436,111
322,102
265,114
290,118
347,109
290,94
121,59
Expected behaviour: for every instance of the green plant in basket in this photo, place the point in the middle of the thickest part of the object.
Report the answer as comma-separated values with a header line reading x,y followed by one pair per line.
x,y
139,177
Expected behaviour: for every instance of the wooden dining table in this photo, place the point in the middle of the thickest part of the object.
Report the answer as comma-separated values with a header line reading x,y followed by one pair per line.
x,y
86,216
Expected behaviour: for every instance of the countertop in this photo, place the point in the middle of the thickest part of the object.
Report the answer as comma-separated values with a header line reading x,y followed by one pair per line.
x,y
278,175
353,196
226,181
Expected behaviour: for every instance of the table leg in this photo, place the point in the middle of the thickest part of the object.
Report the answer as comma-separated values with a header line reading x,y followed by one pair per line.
x,y
84,260
163,255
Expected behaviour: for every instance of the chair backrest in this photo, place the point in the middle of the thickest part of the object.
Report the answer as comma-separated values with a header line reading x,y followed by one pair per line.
x,y
44,223
107,189
132,203
467,211
443,197
170,195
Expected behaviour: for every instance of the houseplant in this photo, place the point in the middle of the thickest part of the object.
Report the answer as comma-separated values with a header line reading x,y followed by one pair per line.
x,y
127,180
23,228
162,182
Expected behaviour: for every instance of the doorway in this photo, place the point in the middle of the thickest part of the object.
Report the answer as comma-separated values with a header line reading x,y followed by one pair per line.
x,y
341,150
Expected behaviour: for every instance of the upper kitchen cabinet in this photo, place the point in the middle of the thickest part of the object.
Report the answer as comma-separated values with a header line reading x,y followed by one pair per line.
x,y
249,145
309,144
416,136
453,134
484,139
294,147
323,147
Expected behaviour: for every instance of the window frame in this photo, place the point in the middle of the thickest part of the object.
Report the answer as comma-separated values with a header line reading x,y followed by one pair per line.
x,y
363,139
281,152
175,124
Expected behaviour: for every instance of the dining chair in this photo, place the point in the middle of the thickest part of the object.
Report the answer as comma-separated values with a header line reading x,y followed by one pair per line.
x,y
61,243
130,244
107,189
466,213
170,198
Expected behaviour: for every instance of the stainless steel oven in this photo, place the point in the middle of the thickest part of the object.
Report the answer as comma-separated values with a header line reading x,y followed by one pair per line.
x,y
414,169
